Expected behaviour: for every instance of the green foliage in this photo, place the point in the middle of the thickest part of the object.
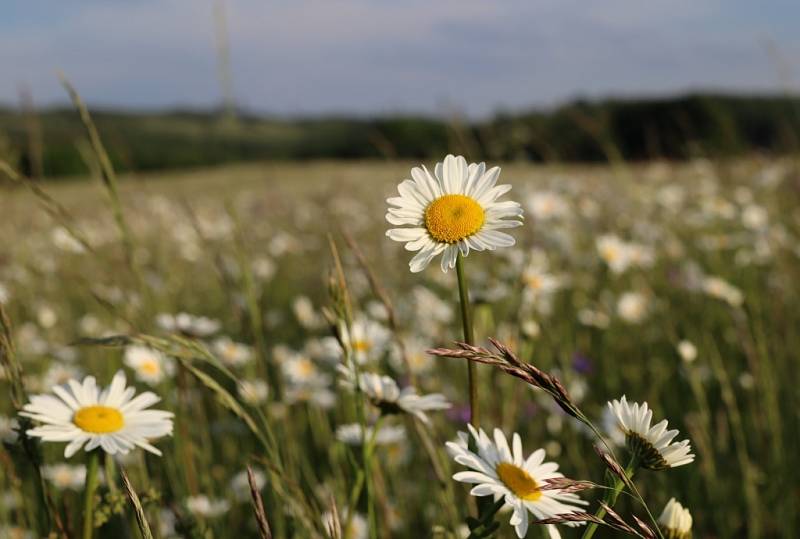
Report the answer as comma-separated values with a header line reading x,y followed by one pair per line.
x,y
676,128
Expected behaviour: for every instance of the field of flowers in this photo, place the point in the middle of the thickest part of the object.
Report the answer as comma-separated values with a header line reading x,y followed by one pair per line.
x,y
162,336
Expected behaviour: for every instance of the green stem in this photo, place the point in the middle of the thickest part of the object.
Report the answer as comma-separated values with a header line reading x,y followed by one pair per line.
x,y
88,500
469,338
610,498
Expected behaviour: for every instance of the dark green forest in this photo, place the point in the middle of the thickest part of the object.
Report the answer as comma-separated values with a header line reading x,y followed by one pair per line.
x,y
51,142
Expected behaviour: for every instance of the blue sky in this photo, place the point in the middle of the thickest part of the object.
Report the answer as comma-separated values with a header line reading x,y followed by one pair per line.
x,y
367,56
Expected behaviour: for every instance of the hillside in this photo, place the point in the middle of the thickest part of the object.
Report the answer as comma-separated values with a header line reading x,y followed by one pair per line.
x,y
676,128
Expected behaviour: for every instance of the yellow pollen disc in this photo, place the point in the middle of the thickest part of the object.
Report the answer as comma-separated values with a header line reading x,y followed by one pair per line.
x,y
451,218
99,419
149,367
518,481
361,346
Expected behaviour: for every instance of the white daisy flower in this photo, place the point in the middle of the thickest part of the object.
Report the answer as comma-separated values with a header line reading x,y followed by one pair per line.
x,y
232,353
206,507
65,476
503,472
240,484
82,414
367,339
150,365
188,324
675,521
384,393
687,350
455,209
633,307
351,434
253,391
653,445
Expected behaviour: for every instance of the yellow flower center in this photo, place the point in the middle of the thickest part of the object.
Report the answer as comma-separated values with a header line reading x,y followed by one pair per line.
x,y
305,367
518,481
99,419
361,346
150,367
451,218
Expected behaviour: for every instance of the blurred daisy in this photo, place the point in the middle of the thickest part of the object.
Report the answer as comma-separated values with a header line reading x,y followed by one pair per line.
x,y
351,434
547,205
240,484
232,353
675,521
503,472
253,391
633,307
720,289
651,445
112,419
205,507
65,476
188,324
384,393
367,339
687,350
150,365
455,209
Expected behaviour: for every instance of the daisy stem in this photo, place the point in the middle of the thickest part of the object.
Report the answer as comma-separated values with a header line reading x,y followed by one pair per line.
x,y
88,500
610,497
469,338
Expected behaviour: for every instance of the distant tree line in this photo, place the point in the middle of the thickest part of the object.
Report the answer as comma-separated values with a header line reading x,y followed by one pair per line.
x,y
675,128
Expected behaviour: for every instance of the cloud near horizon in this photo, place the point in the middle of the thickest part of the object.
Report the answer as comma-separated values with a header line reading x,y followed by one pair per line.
x,y
377,56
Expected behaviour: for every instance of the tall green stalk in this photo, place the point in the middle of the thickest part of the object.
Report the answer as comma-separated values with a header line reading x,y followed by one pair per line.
x,y
88,495
611,496
469,338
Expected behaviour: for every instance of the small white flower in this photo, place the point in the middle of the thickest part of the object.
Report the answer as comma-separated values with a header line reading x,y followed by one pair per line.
x,y
502,471
240,484
188,324
547,205
351,434
718,288
633,307
687,350
232,353
149,364
65,476
206,507
384,393
453,210
652,445
112,419
253,391
367,339
675,521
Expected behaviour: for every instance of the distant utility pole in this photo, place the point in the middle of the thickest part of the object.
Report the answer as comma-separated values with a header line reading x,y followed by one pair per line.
x,y
224,60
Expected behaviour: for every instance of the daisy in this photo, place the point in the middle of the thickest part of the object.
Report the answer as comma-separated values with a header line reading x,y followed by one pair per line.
x,y
65,476
675,521
455,209
351,434
503,472
653,446
384,393
367,339
150,365
113,419
232,353
206,507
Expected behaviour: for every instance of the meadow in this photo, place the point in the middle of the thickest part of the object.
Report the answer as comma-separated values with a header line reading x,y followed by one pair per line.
x,y
252,299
